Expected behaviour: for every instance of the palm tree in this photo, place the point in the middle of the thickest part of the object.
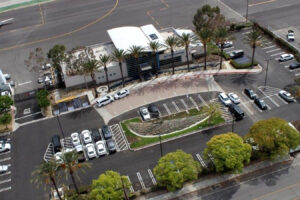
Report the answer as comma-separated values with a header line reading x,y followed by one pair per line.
x,y
136,51
185,40
221,36
205,36
254,40
45,173
104,60
90,67
119,56
155,46
171,43
70,165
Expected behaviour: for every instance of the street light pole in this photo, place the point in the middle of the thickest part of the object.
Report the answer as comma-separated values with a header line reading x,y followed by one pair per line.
x,y
60,127
247,11
266,77
232,126
160,144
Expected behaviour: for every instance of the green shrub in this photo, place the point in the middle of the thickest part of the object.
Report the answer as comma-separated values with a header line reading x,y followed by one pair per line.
x,y
226,55
242,66
42,97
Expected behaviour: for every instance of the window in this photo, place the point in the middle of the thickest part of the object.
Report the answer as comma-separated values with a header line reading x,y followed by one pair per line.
x,y
153,36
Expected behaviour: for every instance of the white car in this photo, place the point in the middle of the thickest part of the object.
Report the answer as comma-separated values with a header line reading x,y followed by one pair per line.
x,y
122,93
75,139
3,169
79,148
234,98
7,76
145,113
58,158
90,148
291,35
47,66
286,96
100,148
226,44
4,147
104,101
286,57
224,99
86,136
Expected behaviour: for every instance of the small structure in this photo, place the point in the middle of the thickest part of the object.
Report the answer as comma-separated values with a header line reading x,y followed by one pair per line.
x,y
5,87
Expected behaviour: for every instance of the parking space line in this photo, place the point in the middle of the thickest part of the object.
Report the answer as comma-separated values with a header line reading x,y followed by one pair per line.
x,y
195,104
5,189
277,95
267,43
201,160
141,180
176,107
257,108
7,173
5,181
211,157
152,177
247,108
184,104
202,100
297,74
4,153
269,47
5,159
273,50
276,54
167,109
269,98
131,188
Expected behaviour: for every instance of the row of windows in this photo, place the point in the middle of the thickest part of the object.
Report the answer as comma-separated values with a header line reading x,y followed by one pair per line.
x,y
113,74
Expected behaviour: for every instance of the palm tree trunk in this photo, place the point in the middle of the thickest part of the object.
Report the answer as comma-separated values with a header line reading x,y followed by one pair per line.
x,y
139,69
86,86
154,65
187,58
253,53
106,75
121,70
172,55
55,186
221,56
74,182
204,56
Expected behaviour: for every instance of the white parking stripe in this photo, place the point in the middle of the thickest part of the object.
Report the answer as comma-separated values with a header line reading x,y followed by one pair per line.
x,y
5,181
5,189
4,153
283,101
202,100
297,74
246,32
184,104
276,54
176,107
141,180
193,101
152,177
267,43
201,160
269,47
257,108
229,48
5,159
167,109
274,102
131,188
247,108
273,50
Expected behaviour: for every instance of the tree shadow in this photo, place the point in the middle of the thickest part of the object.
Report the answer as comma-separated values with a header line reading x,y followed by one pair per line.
x,y
243,79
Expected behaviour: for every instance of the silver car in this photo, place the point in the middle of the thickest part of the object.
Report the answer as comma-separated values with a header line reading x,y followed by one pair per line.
x,y
3,169
234,98
224,99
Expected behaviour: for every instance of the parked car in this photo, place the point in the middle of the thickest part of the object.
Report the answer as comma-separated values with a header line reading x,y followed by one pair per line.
x,y
104,101
250,93
122,93
106,132
56,143
7,76
111,146
286,57
40,80
236,111
86,136
226,44
100,148
61,190
58,157
90,148
224,99
261,104
81,157
236,54
286,96
4,147
3,169
153,110
46,66
290,36
79,148
96,136
145,113
294,65
75,139
234,98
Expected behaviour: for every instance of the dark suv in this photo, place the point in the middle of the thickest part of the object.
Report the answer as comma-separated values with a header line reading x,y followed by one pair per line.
x,y
153,110
250,93
95,134
56,143
106,132
236,111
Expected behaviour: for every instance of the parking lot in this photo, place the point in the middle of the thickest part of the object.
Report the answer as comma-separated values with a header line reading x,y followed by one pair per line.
x,y
6,177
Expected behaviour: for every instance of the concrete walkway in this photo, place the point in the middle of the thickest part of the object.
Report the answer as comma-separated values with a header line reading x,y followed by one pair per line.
x,y
6,5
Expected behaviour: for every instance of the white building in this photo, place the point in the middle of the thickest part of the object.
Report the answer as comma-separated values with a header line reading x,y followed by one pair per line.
x,y
126,37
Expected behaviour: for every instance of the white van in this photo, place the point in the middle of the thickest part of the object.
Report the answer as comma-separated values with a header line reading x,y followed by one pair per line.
x,y
104,101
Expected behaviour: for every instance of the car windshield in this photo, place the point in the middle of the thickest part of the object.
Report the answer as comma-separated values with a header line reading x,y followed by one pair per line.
x,y
144,111
111,144
287,94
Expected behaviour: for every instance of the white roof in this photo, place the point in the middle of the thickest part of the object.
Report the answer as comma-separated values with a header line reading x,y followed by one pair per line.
x,y
186,31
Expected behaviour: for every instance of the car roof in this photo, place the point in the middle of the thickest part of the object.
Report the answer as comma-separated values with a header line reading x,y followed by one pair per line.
x,y
223,95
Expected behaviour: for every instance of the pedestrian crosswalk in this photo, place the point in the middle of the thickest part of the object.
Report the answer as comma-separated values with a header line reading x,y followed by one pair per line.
x,y
6,160
119,137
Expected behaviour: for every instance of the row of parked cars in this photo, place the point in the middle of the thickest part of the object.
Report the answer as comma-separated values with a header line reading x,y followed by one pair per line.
x,y
5,146
109,99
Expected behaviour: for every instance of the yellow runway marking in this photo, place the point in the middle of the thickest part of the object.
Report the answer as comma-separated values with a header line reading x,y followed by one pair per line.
x,y
149,14
260,3
63,34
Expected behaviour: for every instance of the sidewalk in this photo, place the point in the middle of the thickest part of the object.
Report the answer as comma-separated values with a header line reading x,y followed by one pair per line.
x,y
6,5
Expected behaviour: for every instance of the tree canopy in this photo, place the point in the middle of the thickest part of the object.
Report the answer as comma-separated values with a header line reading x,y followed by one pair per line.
x,y
42,97
5,103
273,137
109,186
5,119
229,152
175,168
57,54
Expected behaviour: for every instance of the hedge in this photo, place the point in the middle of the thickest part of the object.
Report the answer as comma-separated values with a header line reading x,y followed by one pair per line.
x,y
242,66
238,27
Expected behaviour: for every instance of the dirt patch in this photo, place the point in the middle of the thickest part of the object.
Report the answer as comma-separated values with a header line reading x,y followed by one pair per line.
x,y
297,125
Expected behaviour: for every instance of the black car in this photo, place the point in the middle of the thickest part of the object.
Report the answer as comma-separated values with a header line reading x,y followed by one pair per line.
x,y
95,134
236,54
261,104
236,111
56,143
81,157
153,110
294,65
106,132
250,93
111,146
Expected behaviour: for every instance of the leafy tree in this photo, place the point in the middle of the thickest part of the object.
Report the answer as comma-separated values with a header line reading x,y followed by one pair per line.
x,y
206,17
155,46
119,56
5,103
213,110
109,185
185,40
175,168
205,36
42,97
104,60
70,165
57,55
229,152
254,39
273,137
171,43
5,119
46,173
221,36
136,51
